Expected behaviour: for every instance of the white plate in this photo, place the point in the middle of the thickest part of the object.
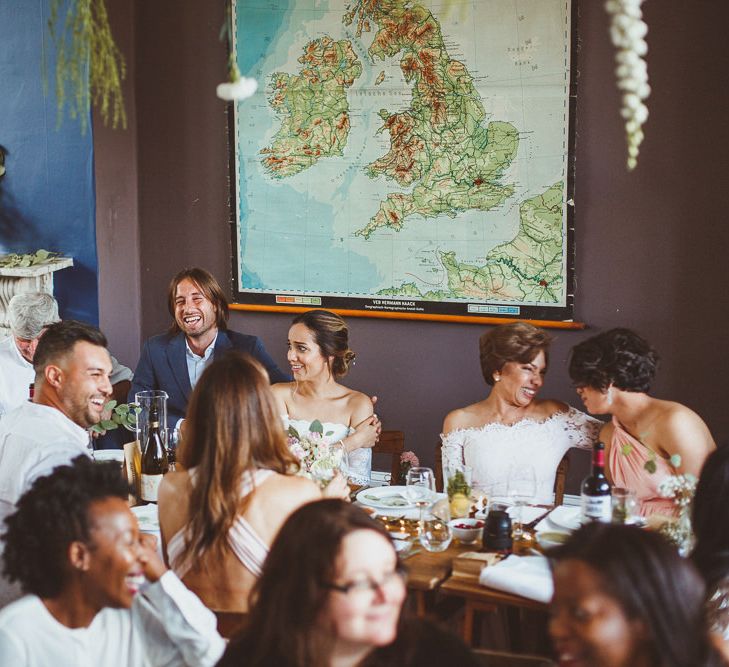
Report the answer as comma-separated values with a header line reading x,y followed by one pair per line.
x,y
569,518
109,455
147,517
385,498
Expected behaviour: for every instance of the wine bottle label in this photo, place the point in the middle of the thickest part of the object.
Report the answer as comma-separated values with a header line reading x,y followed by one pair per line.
x,y
597,508
150,486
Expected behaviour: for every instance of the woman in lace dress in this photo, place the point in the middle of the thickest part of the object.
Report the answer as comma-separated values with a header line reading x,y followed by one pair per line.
x,y
648,439
511,426
319,355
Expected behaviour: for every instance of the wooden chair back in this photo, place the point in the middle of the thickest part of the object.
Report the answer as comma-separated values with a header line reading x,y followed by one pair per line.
x,y
559,478
391,442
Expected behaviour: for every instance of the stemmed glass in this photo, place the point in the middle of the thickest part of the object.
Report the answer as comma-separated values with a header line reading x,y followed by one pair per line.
x,y
172,441
420,488
522,489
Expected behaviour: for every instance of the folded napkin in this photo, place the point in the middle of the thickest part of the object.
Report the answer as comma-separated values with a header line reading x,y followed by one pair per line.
x,y
528,576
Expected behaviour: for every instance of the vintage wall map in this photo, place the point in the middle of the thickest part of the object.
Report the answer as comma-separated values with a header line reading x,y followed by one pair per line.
x,y
405,155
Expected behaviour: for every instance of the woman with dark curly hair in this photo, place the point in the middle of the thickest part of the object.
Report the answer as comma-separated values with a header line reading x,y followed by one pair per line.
x,y
331,595
623,597
648,438
512,425
97,593
320,357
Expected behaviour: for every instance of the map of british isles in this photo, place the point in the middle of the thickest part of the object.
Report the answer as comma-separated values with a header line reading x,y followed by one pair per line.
x,y
405,152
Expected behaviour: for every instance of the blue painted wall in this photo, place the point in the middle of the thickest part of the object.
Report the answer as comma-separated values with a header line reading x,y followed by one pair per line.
x,y
47,194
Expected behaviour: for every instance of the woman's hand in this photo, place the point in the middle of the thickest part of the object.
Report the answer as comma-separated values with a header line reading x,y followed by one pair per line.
x,y
366,434
152,564
337,488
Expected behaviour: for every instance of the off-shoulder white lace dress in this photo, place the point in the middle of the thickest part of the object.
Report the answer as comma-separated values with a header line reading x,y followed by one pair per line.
x,y
492,449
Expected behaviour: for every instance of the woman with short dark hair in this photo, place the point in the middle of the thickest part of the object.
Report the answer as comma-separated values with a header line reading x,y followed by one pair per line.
x,y
623,597
330,595
511,426
648,439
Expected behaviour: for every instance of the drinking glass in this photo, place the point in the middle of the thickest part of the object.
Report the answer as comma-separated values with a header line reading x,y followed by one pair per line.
x,y
436,534
522,489
172,441
624,505
420,488
145,400
457,481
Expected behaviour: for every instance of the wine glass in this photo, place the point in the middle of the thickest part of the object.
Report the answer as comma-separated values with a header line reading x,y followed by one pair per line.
x,y
420,488
436,533
522,488
172,441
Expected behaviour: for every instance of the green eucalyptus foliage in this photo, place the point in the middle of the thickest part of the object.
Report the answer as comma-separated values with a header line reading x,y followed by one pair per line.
x,y
14,260
89,65
122,414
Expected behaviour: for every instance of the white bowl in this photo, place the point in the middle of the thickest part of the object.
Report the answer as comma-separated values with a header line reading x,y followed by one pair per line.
x,y
467,535
551,538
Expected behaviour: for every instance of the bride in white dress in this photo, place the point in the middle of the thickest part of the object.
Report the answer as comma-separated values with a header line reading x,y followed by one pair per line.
x,y
511,427
319,355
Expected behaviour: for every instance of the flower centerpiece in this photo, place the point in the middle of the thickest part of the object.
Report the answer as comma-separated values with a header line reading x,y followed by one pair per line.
x,y
318,458
407,460
682,489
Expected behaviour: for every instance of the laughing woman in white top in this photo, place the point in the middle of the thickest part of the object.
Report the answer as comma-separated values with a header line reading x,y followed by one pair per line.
x,y
511,426
97,593
319,356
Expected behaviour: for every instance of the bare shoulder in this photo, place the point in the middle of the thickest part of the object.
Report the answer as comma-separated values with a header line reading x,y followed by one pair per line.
x,y
675,418
282,389
472,416
172,486
292,490
360,404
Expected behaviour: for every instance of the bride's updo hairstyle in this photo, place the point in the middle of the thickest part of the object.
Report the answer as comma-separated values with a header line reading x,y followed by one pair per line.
x,y
518,341
332,336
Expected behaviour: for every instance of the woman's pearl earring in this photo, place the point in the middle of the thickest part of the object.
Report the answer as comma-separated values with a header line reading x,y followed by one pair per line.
x,y
497,378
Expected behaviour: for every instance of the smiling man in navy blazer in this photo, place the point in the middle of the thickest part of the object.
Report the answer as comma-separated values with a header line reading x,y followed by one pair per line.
x,y
174,361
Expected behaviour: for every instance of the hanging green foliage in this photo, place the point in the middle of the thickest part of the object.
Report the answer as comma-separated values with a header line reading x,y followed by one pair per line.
x,y
89,66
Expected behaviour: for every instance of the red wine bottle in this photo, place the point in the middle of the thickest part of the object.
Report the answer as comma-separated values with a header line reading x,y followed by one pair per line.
x,y
596,501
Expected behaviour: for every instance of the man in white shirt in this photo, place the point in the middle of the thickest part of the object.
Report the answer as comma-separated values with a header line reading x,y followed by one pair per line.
x,y
98,594
72,370
28,316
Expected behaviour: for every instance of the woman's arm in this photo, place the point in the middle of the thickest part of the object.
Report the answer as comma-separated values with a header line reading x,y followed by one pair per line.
x,y
367,425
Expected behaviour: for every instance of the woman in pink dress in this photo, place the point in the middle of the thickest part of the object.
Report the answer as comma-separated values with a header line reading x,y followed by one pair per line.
x,y
648,438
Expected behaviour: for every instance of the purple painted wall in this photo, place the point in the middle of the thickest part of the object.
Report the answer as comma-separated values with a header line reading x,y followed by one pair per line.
x,y
651,245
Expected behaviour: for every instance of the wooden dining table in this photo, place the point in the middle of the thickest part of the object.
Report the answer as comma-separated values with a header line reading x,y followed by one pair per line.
x,y
430,575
